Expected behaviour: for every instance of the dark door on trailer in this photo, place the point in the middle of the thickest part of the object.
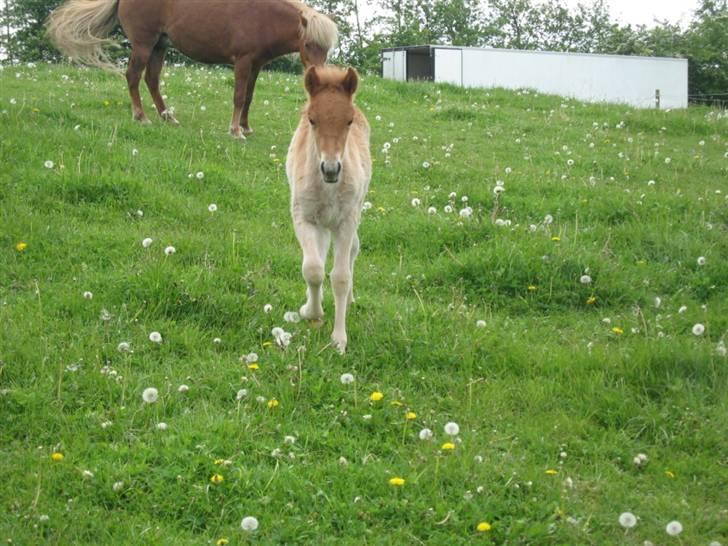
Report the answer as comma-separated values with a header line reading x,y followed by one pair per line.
x,y
420,64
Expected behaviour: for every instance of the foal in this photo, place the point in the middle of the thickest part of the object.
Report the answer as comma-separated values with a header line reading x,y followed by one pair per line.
x,y
329,169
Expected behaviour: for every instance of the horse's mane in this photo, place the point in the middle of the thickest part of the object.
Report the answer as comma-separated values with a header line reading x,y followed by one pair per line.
x,y
320,29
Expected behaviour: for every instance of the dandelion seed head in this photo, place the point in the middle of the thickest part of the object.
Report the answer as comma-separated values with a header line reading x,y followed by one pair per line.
x,y
168,251
452,428
150,395
146,243
155,337
698,329
123,347
674,528
627,520
425,434
249,524
346,379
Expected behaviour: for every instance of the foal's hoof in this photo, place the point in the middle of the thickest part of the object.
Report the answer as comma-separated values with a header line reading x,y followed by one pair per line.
x,y
144,120
247,131
339,342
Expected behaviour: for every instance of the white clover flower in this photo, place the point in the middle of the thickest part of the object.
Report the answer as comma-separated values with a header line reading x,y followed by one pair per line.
x,y
416,202
183,388
123,347
48,164
162,426
199,175
169,250
425,434
701,260
118,486
452,429
249,524
150,395
627,520
146,243
242,393
212,207
267,308
155,337
674,528
291,316
346,379
585,279
431,210
480,323
698,329
106,424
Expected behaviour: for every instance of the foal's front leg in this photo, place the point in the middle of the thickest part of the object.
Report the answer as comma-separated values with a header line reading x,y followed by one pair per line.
x,y
341,282
311,238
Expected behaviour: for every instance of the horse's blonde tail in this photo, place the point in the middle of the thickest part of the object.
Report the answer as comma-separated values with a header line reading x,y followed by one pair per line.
x,y
80,29
319,29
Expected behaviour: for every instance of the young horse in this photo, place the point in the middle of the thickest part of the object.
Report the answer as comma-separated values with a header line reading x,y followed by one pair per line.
x,y
245,33
328,170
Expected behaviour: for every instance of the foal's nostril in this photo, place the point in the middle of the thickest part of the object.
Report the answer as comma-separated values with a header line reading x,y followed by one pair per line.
x,y
338,167
323,168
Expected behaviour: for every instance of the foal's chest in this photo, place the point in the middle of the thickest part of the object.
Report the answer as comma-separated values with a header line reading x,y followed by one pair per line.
x,y
327,205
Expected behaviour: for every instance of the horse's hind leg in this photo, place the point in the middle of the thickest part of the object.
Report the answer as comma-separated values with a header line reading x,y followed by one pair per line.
x,y
137,61
151,76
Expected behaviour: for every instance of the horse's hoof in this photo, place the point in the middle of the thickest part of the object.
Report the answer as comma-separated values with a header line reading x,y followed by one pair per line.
x,y
339,342
144,120
169,118
237,133
308,314
247,131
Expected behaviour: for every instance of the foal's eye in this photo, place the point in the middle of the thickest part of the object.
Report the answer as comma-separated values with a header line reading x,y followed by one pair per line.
x,y
311,121
350,122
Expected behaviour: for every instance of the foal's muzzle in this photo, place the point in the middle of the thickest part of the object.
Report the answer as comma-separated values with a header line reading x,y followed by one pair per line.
x,y
331,171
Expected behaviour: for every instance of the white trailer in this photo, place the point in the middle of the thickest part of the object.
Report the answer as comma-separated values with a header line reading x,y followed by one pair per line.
x,y
643,82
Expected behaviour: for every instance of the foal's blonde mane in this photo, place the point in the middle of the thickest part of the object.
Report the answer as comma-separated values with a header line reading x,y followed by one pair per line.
x,y
320,29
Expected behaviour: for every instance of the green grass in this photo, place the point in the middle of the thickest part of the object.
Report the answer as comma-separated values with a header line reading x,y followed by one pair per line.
x,y
545,385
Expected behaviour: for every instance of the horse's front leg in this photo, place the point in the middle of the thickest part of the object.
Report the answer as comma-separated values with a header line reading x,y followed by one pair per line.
x,y
341,281
242,73
310,238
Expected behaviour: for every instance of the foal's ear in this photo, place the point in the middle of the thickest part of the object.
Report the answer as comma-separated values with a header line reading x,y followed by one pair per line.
x,y
311,80
351,81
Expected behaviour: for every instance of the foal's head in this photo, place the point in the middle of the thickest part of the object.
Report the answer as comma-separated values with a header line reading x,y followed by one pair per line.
x,y
330,111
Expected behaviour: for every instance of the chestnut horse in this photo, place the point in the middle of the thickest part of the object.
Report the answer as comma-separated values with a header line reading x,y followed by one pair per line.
x,y
245,33
329,168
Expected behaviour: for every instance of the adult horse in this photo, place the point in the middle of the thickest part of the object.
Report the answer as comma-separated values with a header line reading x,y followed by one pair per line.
x,y
244,33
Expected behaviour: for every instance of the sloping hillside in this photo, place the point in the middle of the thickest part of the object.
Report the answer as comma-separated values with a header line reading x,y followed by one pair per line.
x,y
567,323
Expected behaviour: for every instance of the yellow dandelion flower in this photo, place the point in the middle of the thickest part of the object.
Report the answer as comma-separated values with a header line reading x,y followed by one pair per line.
x,y
216,479
106,103
484,527
532,288
376,396
380,209
591,300
396,403
272,403
57,457
253,366
397,482
267,344
448,446
669,474
559,512
617,330
218,461
36,110
221,541
552,472
21,246
410,415
555,238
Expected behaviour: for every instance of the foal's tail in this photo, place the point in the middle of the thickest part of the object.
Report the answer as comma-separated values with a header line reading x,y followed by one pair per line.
x,y
81,28
319,29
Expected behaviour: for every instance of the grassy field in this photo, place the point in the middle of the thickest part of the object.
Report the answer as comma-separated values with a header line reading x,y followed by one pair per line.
x,y
566,324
